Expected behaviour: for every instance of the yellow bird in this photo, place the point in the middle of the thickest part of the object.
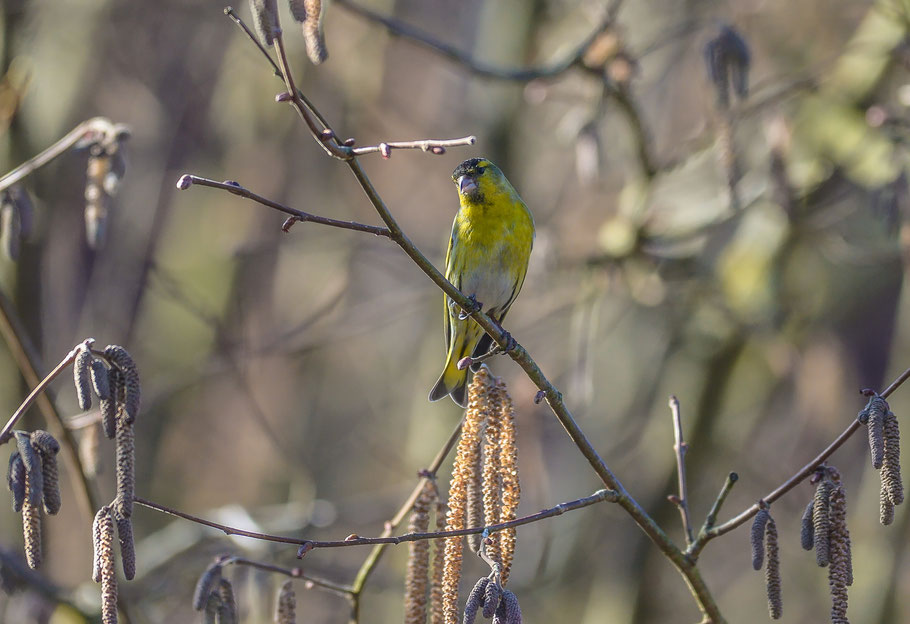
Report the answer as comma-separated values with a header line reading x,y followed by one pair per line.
x,y
487,260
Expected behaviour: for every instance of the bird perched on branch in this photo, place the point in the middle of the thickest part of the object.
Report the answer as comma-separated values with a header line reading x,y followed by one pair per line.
x,y
487,260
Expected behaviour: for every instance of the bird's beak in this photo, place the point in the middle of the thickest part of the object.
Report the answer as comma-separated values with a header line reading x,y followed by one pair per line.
x,y
466,184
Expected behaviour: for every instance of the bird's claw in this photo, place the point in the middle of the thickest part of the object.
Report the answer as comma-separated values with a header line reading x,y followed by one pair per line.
x,y
510,342
476,306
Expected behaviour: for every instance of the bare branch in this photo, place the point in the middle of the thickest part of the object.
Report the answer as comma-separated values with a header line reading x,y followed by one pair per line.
x,y
680,447
230,186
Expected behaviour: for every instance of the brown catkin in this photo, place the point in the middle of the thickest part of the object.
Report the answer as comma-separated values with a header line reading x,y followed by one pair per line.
x,y
100,379
491,597
885,508
126,468
206,584
508,612
110,407
839,571
439,555
492,473
511,488
82,367
265,19
875,413
772,571
15,480
820,521
127,546
286,609
465,458
416,583
47,448
31,528
474,512
475,600
33,468
131,400
227,609
313,31
757,537
104,571
891,460
807,529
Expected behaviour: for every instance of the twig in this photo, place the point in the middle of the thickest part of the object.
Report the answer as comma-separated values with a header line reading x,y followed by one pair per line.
x,y
295,572
355,540
6,432
188,180
435,146
100,125
696,546
518,74
680,448
793,481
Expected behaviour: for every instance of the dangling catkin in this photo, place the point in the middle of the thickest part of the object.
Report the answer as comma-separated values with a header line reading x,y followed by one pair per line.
x,y
47,448
874,415
892,484
286,609
465,460
758,537
417,576
807,529
772,571
206,584
82,366
475,600
820,521
511,488
104,571
15,480
227,610
31,527
127,547
126,468
439,555
131,397
492,472
839,572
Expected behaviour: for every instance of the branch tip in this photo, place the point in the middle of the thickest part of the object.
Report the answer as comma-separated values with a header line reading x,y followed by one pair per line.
x,y
185,182
284,96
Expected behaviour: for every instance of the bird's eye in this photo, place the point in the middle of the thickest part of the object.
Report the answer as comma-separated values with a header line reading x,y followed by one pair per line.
x,y
480,170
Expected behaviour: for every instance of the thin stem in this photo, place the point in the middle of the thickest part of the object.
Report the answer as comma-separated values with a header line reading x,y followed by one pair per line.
x,y
680,448
308,545
100,125
695,547
797,478
5,433
295,572
427,145
451,53
188,180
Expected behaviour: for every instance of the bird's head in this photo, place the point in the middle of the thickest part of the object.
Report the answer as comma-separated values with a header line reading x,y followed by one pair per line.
x,y
476,178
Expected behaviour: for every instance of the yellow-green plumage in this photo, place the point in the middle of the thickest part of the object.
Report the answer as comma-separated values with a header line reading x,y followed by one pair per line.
x,y
488,258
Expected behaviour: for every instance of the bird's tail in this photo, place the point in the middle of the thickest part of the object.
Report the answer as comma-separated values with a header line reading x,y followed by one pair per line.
x,y
452,382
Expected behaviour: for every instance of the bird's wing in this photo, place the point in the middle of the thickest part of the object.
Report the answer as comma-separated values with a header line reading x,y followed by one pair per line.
x,y
447,311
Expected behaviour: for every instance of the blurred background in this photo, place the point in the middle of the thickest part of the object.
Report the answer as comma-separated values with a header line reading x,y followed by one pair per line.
x,y
746,256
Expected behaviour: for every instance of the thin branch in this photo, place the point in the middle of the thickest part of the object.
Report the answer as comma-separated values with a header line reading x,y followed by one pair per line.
x,y
796,479
355,540
188,180
99,125
295,572
451,53
696,546
66,362
434,146
680,448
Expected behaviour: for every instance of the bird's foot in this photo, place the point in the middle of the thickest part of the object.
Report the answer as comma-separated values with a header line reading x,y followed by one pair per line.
x,y
476,306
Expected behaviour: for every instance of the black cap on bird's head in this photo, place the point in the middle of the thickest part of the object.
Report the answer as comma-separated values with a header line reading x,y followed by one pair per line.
x,y
467,173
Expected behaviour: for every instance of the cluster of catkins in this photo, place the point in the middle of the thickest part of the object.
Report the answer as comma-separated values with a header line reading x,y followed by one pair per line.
x,y
484,491
32,478
310,14
214,597
112,376
885,448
